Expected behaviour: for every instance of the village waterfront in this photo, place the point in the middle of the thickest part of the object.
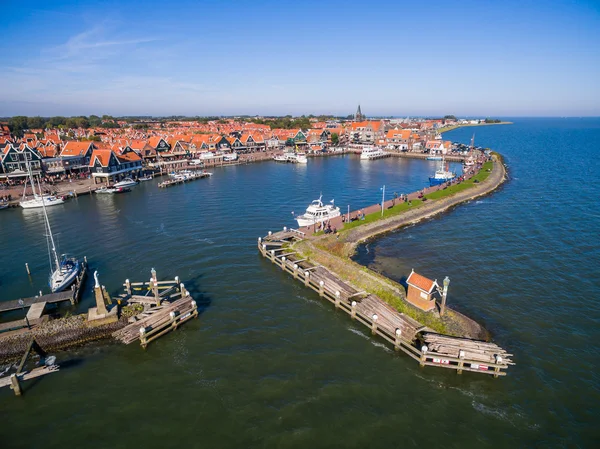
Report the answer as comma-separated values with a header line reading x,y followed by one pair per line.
x,y
269,364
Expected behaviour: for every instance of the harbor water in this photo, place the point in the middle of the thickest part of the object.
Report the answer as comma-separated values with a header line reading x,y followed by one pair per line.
x,y
269,364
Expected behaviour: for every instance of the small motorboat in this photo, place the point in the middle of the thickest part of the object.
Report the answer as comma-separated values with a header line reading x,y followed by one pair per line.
x,y
126,182
112,190
3,206
146,178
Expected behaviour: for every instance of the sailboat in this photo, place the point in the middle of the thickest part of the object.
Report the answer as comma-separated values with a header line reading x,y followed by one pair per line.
x,y
64,270
39,199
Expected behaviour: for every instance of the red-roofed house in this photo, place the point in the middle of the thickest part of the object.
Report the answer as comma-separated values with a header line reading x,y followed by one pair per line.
x,y
107,166
420,291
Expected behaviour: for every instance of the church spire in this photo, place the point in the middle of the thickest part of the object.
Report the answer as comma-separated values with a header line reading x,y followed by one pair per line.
x,y
359,116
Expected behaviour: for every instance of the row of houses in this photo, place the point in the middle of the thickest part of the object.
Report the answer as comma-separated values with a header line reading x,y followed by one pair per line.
x,y
122,150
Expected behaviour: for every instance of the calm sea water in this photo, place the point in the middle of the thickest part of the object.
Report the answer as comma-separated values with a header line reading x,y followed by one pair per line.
x,y
268,364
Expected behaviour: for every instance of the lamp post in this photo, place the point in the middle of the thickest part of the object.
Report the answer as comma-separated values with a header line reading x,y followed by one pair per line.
x,y
444,294
22,304
382,200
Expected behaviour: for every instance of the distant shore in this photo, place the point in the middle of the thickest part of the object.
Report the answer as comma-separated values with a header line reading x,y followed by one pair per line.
x,y
450,128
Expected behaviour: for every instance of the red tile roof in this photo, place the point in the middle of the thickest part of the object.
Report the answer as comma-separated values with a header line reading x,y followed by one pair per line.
x,y
421,282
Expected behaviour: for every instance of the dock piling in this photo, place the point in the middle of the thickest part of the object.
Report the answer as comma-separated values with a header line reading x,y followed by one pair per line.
x,y
353,310
14,384
27,268
374,325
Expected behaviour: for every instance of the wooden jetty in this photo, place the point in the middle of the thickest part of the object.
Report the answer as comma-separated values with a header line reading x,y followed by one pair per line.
x,y
183,179
403,332
37,304
14,380
164,311
145,312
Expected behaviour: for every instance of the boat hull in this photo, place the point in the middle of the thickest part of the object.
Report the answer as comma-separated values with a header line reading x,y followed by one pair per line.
x,y
437,181
37,202
61,281
309,221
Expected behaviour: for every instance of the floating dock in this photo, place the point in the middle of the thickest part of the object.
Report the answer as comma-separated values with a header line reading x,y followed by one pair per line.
x,y
183,179
403,332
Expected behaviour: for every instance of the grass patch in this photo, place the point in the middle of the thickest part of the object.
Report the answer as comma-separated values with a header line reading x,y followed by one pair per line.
x,y
387,213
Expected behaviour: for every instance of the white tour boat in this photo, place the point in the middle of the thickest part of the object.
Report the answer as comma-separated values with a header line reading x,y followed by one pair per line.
x,y
317,212
126,182
232,157
370,153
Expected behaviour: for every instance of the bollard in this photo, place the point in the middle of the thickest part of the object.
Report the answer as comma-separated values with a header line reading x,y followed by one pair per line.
x,y
321,292
295,271
374,325
337,299
27,268
353,311
397,341
283,263
184,292
423,354
143,337
461,355
306,278
128,287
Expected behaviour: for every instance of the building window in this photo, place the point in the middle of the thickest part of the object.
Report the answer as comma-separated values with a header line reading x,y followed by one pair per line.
x,y
14,157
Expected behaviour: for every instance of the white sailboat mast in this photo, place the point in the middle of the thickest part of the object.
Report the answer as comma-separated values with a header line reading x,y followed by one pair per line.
x,y
52,244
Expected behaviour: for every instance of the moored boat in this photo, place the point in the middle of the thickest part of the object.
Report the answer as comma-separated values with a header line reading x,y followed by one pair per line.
x,y
442,175
369,153
39,199
126,182
317,212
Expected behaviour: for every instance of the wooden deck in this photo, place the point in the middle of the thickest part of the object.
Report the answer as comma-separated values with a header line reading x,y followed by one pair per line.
x,y
51,298
402,331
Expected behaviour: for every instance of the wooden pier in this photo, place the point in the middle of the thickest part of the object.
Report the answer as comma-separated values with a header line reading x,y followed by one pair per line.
x,y
401,331
145,311
183,179
37,304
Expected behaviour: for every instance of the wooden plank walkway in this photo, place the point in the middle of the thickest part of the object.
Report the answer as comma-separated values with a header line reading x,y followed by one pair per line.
x,y
51,298
192,177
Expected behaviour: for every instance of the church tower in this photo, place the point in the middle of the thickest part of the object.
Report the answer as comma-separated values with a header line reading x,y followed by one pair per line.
x,y
359,117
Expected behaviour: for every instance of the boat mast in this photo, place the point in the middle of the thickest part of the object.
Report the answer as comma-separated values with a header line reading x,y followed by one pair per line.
x,y
52,245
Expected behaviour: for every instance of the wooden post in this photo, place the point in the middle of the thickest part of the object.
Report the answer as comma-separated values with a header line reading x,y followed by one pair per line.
x,y
194,309
295,271
306,278
154,286
184,292
397,341
374,325
424,350
73,296
461,355
27,268
128,286
337,300
497,368
353,311
283,263
143,341
321,292
14,381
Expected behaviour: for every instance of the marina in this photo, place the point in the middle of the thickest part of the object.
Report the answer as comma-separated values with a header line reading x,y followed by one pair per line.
x,y
278,340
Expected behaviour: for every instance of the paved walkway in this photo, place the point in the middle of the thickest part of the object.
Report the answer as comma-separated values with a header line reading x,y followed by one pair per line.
x,y
338,222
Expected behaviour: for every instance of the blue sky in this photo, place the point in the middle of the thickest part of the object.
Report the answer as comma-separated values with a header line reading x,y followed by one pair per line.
x,y
492,58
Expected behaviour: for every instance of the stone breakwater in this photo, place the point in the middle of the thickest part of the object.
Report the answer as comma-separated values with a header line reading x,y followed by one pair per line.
x,y
431,208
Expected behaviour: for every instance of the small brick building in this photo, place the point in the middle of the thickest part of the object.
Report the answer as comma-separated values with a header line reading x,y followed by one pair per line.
x,y
420,291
